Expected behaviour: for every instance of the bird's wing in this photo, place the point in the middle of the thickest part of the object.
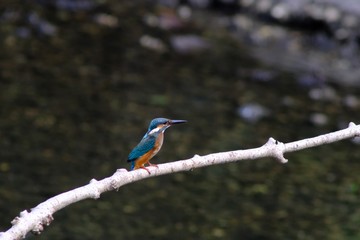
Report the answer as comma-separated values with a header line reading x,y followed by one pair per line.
x,y
143,147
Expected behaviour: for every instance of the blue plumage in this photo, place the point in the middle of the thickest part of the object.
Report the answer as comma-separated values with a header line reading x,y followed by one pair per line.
x,y
145,145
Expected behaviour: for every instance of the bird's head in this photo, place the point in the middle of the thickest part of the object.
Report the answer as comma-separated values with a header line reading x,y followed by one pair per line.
x,y
159,125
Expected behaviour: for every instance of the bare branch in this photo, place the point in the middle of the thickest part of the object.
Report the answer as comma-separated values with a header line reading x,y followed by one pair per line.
x,y
41,216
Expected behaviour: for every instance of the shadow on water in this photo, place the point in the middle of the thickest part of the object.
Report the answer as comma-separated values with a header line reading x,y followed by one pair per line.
x,y
79,84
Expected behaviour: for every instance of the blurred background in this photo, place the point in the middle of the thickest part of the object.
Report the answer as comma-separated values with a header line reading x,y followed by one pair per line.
x,y
80,81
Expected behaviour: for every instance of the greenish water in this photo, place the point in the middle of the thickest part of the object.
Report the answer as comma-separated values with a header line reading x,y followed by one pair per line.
x,y
73,104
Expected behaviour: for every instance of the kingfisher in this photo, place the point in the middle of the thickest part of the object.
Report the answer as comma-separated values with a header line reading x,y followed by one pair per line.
x,y
151,143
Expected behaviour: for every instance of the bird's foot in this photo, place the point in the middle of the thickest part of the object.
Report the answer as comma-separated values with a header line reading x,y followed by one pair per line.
x,y
145,169
153,165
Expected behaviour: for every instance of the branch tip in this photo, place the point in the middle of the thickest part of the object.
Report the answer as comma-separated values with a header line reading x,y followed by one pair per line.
x,y
24,213
15,221
283,160
93,180
352,124
278,154
272,141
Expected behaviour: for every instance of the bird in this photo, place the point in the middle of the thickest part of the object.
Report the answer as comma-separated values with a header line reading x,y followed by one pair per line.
x,y
151,143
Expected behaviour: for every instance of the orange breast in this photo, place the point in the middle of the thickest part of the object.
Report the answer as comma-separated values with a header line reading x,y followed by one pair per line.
x,y
158,143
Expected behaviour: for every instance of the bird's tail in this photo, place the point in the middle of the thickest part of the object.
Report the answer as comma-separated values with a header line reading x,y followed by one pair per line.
x,y
132,166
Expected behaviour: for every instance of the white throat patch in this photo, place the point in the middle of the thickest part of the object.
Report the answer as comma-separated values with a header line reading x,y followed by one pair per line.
x,y
155,130
159,129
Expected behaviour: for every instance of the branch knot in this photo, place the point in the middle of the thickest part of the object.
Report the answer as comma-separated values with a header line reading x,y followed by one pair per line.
x,y
41,225
277,149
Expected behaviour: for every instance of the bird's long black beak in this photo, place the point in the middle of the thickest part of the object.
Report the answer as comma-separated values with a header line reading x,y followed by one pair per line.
x,y
172,122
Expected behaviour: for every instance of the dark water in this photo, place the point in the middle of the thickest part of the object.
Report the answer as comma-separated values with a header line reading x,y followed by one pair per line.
x,y
77,93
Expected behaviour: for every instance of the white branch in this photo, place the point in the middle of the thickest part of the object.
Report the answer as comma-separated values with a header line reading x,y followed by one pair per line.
x,y
41,216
